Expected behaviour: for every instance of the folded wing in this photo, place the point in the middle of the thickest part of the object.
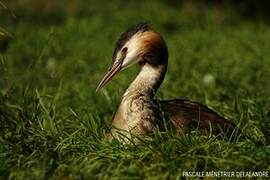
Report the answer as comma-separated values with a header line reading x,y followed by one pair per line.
x,y
186,115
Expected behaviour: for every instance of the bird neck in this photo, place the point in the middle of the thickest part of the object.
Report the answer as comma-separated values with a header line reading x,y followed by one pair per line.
x,y
148,80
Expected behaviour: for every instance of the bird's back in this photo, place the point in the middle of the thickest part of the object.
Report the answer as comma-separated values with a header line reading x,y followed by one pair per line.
x,y
184,115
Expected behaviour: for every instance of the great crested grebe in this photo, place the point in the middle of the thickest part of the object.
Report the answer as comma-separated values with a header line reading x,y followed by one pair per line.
x,y
139,113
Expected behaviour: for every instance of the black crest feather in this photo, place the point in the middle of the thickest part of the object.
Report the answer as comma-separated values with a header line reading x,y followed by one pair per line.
x,y
142,27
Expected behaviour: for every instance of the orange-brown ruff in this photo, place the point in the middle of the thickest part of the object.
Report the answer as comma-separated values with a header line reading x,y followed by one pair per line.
x,y
139,113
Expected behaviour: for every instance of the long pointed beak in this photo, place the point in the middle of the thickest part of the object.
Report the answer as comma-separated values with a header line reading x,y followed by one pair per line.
x,y
116,67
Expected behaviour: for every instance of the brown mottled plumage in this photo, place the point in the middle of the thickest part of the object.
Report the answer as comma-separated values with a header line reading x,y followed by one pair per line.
x,y
185,114
139,113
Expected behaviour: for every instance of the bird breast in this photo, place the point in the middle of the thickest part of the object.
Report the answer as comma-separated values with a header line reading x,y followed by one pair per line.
x,y
137,114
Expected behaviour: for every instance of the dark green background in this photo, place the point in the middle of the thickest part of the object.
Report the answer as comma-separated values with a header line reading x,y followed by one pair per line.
x,y
52,122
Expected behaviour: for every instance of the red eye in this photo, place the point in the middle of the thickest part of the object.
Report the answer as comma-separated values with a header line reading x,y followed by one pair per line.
x,y
124,50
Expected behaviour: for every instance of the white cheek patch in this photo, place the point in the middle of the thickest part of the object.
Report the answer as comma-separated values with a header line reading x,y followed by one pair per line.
x,y
131,58
133,52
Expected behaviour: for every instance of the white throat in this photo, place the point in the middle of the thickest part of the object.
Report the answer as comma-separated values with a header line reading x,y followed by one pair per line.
x,y
146,81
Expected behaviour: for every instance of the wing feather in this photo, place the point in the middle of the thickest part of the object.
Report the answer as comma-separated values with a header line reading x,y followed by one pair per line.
x,y
185,114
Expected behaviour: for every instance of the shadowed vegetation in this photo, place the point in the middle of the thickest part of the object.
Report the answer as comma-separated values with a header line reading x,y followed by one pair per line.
x,y
52,122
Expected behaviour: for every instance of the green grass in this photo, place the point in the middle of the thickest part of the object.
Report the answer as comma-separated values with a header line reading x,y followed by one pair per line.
x,y
52,122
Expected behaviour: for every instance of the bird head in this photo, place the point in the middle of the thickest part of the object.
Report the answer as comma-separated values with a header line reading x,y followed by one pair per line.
x,y
140,44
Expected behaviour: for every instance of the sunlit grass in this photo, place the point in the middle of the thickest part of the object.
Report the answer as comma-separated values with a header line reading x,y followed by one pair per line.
x,y
53,122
